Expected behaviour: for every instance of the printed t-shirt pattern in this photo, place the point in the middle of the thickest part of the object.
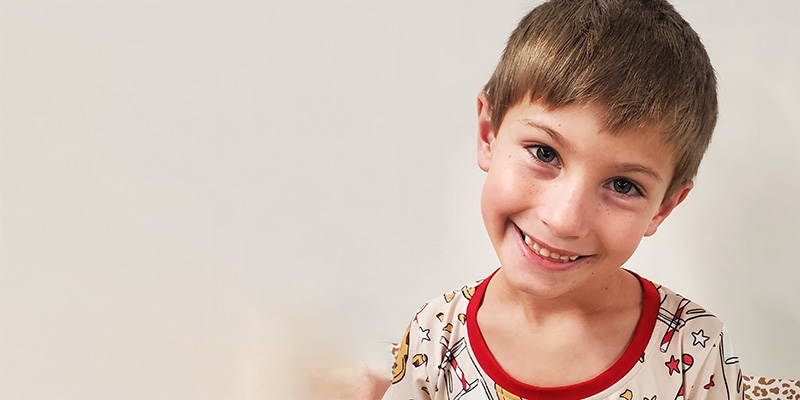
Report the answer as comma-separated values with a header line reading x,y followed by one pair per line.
x,y
678,351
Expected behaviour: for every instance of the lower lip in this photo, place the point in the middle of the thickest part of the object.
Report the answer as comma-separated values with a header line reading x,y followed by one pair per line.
x,y
542,261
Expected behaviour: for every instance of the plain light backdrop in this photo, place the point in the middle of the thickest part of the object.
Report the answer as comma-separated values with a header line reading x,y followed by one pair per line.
x,y
225,199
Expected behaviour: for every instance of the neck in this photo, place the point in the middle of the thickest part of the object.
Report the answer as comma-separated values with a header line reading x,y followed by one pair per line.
x,y
609,293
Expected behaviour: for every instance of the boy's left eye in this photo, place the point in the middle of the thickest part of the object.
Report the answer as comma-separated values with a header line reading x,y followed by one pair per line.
x,y
624,186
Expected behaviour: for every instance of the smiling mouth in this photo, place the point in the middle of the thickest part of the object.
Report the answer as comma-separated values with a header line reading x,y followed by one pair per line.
x,y
545,252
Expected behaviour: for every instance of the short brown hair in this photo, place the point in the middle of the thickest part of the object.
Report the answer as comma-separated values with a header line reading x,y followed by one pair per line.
x,y
639,59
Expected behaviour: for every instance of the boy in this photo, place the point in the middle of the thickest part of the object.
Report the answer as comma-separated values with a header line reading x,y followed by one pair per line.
x,y
590,130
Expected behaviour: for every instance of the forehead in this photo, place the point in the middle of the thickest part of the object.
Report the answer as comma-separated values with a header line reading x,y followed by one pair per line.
x,y
597,115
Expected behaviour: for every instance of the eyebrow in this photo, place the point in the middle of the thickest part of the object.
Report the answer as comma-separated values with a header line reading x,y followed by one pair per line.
x,y
639,168
548,130
625,167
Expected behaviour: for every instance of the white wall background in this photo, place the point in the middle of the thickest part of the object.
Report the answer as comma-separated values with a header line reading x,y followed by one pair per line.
x,y
222,199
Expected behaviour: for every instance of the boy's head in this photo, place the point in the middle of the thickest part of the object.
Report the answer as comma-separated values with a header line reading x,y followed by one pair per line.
x,y
639,60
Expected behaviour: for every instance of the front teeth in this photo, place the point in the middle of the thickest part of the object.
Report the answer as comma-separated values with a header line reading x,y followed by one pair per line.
x,y
547,253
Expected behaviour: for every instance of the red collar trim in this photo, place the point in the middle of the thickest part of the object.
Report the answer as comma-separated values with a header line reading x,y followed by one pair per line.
x,y
641,337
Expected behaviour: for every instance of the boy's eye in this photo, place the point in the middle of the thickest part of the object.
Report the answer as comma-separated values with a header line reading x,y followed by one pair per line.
x,y
544,154
624,186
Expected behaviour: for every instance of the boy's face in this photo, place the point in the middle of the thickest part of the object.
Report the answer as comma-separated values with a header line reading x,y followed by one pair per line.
x,y
565,202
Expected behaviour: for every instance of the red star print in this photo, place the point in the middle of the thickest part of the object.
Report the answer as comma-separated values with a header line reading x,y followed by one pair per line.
x,y
672,364
710,383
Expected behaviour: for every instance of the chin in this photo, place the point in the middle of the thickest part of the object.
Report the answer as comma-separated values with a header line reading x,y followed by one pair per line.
x,y
538,282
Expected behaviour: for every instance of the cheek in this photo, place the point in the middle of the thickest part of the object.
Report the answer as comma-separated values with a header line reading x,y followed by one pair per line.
x,y
489,200
623,235
499,194
504,194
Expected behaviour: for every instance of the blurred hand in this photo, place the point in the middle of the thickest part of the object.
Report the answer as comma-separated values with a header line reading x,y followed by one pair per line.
x,y
350,384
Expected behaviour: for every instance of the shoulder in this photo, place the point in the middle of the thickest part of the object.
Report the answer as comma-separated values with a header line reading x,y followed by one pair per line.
x,y
450,306
690,348
678,314
440,319
436,323
434,342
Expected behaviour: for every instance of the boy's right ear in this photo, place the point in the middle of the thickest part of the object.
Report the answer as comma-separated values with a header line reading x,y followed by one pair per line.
x,y
486,133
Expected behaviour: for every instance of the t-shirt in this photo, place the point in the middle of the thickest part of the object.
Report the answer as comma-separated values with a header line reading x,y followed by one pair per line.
x,y
678,351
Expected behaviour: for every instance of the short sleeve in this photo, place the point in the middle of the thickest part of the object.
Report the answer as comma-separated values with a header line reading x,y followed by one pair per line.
x,y
719,376
409,376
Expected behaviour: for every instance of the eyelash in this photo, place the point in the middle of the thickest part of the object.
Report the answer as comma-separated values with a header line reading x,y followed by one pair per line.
x,y
536,150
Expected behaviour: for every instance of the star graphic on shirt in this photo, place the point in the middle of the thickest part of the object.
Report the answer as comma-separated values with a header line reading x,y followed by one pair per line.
x,y
672,364
700,338
424,334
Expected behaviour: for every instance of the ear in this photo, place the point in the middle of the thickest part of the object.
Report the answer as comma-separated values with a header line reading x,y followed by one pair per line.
x,y
486,133
667,206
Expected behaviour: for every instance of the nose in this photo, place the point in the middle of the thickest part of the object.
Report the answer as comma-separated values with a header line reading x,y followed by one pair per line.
x,y
567,208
